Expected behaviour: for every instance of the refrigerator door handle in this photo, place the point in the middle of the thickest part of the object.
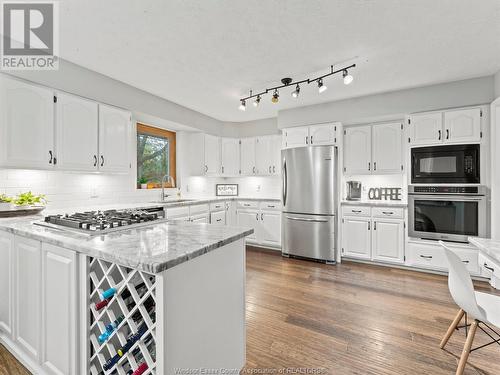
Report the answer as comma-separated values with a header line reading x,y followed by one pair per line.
x,y
285,176
310,220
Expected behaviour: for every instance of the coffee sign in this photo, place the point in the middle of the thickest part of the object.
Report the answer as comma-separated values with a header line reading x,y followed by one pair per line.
x,y
392,194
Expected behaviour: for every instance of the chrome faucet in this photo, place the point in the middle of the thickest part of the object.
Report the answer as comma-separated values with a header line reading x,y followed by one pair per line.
x,y
163,180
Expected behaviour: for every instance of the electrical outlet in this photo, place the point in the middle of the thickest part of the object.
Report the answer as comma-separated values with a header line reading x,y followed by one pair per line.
x,y
93,192
258,188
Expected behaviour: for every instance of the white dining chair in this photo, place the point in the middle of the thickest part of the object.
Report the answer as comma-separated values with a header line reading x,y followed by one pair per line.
x,y
484,308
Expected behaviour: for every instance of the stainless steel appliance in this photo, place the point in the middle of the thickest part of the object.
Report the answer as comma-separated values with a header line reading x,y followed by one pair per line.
x,y
309,195
353,190
101,222
457,164
450,213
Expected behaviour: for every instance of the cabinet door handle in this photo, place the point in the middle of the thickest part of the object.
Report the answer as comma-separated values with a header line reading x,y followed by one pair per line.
x,y
206,168
274,169
269,206
262,216
426,256
257,216
369,226
447,133
253,170
374,225
269,169
218,220
246,204
388,212
95,160
465,261
356,211
439,135
102,160
369,166
488,268
50,154
374,165
307,140
222,169
311,138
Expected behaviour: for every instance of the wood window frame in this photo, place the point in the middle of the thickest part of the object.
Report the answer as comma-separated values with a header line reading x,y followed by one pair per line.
x,y
171,136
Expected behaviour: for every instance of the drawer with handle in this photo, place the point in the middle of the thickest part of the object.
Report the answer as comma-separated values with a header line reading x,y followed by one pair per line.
x,y
356,211
426,256
388,212
270,205
217,206
488,266
248,204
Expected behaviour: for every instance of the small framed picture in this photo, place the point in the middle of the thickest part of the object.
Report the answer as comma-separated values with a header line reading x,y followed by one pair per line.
x,y
226,190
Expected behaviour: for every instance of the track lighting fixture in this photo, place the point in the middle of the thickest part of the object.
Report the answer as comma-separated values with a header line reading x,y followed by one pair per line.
x,y
321,86
275,99
243,106
295,94
347,77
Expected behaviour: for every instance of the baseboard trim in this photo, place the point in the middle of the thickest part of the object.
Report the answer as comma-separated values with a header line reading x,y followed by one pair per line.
x,y
28,362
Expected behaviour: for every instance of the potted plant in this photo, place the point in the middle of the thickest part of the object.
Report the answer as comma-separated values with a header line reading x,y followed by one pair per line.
x,y
29,199
5,202
143,182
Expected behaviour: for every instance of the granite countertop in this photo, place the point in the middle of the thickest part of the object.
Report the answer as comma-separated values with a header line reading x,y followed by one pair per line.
x,y
487,245
374,203
152,248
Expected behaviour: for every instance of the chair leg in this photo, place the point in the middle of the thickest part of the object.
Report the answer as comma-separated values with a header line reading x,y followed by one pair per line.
x,y
467,346
452,328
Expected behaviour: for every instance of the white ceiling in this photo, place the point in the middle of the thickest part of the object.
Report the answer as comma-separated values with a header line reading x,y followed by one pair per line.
x,y
206,54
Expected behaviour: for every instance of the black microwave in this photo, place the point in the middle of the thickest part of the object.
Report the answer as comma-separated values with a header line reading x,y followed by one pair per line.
x,y
458,164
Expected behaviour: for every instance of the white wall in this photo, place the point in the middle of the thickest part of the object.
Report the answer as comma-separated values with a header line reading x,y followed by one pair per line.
x,y
396,103
495,169
497,84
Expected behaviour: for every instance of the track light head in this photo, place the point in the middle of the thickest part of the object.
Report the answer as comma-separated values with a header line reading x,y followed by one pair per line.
x,y
275,99
296,92
256,101
347,77
243,106
321,86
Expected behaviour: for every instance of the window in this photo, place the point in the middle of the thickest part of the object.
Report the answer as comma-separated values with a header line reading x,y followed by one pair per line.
x,y
155,156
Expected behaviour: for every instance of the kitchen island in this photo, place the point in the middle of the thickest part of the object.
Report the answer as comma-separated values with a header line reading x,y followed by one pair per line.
x,y
156,299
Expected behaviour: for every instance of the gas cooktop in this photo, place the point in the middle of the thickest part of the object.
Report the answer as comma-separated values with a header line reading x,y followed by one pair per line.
x,y
100,222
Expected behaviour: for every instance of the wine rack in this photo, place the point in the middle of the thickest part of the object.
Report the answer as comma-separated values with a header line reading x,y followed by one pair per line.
x,y
128,319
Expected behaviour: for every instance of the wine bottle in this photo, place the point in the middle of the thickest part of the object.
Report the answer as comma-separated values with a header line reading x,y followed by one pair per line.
x,y
132,340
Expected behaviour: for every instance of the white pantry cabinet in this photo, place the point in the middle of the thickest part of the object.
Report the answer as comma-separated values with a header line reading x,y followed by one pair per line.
x,y
247,157
115,132
59,315
230,155
358,150
454,126
373,149
77,129
7,273
313,135
26,125
373,233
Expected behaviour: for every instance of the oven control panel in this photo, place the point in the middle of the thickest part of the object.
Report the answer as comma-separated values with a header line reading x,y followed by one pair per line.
x,y
446,189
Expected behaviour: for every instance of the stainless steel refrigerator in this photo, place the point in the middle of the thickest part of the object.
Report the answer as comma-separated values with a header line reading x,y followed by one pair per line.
x,y
309,195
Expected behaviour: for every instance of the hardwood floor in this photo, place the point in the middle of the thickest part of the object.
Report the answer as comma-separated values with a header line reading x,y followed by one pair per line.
x,y
346,319
9,364
353,319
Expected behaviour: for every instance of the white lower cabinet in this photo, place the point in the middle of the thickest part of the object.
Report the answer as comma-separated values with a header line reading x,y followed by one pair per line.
x,y
266,223
59,303
356,237
218,217
367,236
28,290
202,218
6,283
388,241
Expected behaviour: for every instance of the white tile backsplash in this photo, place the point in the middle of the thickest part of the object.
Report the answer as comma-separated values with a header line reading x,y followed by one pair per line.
x,y
377,181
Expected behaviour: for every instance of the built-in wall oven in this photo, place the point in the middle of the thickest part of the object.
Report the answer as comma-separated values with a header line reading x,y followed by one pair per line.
x,y
446,164
451,213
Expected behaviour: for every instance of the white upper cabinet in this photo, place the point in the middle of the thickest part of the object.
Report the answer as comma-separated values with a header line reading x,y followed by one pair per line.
x,y
357,150
230,152
26,125
212,155
276,154
462,125
115,131
247,158
322,134
455,126
296,137
387,148
263,155
77,133
426,128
